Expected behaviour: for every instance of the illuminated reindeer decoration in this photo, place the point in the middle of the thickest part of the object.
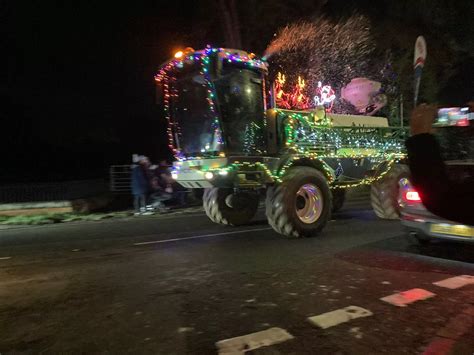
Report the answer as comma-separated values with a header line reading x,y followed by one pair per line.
x,y
296,99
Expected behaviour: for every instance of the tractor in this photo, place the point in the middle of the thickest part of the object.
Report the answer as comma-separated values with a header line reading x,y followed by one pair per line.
x,y
230,139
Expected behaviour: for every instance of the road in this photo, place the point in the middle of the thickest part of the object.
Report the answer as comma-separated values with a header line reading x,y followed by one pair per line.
x,y
179,284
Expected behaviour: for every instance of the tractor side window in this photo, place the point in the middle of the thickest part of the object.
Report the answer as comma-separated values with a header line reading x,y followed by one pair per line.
x,y
194,127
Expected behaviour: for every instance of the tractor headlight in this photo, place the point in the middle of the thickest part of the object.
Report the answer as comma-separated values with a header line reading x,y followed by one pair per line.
x,y
209,175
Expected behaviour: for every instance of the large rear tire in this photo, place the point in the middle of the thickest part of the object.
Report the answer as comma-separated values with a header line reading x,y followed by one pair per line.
x,y
219,209
384,192
300,205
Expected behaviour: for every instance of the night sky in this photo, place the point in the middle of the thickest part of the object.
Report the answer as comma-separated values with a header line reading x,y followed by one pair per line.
x,y
77,88
80,75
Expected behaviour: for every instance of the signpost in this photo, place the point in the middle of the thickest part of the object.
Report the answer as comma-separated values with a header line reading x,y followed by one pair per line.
x,y
418,63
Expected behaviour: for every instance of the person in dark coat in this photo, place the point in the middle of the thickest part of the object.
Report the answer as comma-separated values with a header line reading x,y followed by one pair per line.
x,y
140,184
440,195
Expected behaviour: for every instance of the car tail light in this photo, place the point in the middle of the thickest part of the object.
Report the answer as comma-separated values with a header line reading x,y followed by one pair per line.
x,y
412,196
463,122
408,194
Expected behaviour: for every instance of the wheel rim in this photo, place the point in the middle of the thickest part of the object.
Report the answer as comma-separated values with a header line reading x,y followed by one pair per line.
x,y
309,203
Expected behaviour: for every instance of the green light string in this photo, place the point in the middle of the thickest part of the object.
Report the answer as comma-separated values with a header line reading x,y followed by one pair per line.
x,y
304,137
329,173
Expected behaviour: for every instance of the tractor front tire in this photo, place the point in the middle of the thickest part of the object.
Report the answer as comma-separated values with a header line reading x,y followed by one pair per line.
x,y
216,204
300,205
384,192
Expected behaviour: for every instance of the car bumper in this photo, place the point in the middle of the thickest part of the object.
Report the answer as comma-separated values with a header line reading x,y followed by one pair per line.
x,y
425,225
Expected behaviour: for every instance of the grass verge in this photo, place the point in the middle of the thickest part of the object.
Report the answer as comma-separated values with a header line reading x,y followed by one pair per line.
x,y
52,218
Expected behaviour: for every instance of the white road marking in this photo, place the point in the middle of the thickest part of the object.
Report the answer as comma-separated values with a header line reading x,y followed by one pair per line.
x,y
456,282
253,341
201,236
343,315
402,299
5,257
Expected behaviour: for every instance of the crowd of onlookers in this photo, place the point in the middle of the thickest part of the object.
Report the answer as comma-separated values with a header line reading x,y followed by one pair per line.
x,y
152,185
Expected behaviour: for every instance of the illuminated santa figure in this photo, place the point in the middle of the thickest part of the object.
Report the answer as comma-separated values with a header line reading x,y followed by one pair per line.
x,y
325,96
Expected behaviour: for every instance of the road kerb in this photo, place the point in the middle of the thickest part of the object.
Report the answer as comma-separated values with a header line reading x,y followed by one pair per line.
x,y
447,337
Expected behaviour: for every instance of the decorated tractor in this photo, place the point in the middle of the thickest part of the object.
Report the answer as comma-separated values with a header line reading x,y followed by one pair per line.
x,y
229,138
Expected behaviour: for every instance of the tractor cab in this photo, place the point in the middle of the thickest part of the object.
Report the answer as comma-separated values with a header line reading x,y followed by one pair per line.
x,y
214,103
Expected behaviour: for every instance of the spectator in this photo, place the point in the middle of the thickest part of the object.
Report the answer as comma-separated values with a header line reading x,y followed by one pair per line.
x,y
161,186
440,195
164,176
170,185
140,184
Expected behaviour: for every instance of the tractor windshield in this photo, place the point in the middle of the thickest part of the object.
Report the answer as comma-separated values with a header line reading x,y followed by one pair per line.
x,y
240,101
195,131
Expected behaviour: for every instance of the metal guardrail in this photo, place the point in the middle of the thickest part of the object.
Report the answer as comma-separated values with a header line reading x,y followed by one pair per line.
x,y
120,178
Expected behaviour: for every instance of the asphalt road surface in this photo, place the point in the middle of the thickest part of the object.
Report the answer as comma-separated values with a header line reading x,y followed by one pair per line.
x,y
179,284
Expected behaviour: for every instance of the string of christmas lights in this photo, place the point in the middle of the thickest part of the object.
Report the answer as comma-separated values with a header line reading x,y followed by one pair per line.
x,y
305,135
308,134
326,169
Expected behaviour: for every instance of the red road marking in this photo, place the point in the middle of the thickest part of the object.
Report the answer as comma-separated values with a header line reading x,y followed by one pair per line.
x,y
439,346
448,335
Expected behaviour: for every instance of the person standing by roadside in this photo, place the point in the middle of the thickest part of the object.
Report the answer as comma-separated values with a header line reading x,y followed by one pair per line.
x,y
140,184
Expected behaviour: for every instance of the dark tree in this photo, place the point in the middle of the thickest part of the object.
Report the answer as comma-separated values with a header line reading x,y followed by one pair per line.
x,y
230,22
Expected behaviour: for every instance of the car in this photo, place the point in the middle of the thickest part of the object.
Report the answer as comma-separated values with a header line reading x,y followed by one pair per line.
x,y
454,129
424,225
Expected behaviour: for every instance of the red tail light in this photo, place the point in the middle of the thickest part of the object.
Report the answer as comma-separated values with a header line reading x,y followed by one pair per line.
x,y
407,194
412,196
464,122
